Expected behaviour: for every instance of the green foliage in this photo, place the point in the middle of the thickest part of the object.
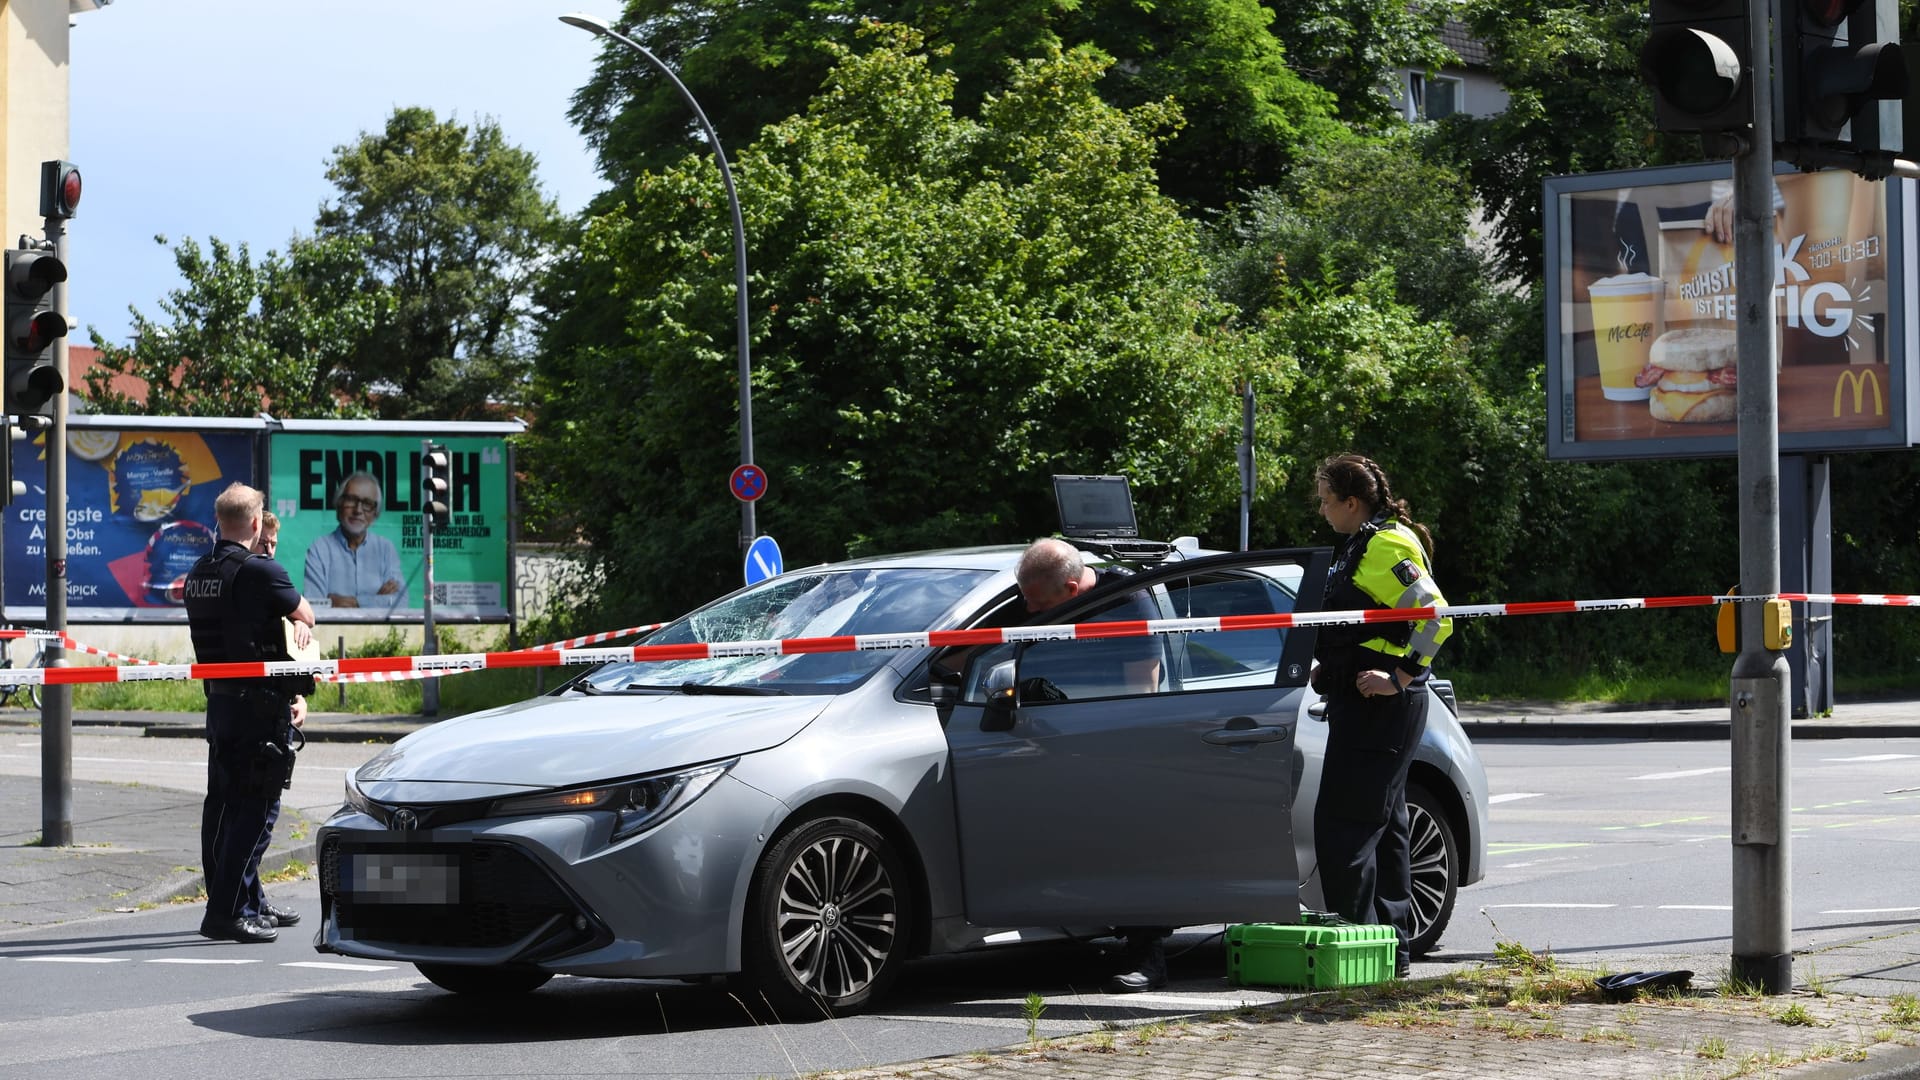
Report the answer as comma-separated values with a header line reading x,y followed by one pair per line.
x,y
454,227
241,336
1354,48
753,65
946,311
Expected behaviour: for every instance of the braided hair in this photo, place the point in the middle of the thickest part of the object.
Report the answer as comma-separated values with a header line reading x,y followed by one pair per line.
x,y
1354,476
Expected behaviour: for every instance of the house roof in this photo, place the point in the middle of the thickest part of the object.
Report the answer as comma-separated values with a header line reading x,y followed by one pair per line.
x,y
84,358
1471,50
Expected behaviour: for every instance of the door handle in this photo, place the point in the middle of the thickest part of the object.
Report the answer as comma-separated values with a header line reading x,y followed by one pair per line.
x,y
1242,730
1318,710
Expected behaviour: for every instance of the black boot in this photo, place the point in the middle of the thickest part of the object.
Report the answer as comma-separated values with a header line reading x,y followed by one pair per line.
x,y
1146,966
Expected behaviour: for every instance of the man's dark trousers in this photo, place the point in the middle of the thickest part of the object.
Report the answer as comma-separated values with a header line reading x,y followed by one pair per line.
x,y
235,824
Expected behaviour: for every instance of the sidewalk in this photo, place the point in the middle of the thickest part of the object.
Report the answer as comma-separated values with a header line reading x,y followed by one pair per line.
x,y
1855,1014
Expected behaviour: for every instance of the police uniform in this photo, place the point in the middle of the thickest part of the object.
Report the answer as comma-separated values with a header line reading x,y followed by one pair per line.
x,y
1360,819
235,602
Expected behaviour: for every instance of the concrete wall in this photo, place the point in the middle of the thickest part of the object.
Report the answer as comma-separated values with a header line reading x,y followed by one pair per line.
x,y
33,105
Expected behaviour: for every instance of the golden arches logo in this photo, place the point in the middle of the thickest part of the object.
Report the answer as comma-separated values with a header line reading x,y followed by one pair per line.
x,y
1859,381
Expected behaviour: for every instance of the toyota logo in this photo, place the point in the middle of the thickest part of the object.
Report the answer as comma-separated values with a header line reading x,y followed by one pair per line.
x,y
404,819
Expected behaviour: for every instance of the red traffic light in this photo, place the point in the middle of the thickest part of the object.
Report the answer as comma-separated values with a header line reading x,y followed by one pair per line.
x,y
34,333
59,189
1828,12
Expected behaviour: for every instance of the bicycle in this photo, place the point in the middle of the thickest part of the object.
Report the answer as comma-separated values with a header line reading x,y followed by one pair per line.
x,y
28,691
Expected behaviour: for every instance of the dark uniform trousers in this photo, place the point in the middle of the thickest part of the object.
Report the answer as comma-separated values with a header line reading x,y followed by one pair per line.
x,y
237,822
1360,827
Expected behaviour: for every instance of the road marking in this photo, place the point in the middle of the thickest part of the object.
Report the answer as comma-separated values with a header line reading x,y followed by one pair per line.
x,y
1517,848
1683,774
1657,824
1873,757
1869,910
1492,906
325,965
1515,796
1168,999
71,959
199,960
1696,907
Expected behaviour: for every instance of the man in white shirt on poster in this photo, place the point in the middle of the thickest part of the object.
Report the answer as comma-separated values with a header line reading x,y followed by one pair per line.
x,y
352,567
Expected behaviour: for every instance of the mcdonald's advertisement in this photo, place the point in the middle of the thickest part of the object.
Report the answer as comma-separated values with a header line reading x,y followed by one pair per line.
x,y
139,514
352,534
1642,308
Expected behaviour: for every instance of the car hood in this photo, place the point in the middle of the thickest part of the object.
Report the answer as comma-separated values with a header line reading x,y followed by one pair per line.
x,y
578,739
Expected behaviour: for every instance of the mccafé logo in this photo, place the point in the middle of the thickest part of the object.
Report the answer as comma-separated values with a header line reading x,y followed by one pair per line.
x,y
1630,332
1859,381
1825,308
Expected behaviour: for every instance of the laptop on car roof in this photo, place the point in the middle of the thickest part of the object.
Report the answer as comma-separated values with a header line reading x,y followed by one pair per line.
x,y
1096,512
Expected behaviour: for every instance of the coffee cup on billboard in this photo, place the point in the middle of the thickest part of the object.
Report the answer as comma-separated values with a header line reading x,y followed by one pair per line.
x,y
1626,320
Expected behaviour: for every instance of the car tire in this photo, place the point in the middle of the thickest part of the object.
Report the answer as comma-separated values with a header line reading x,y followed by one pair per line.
x,y
1435,854
484,981
829,920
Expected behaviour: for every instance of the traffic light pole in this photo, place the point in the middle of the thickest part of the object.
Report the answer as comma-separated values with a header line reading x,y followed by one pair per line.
x,y
1762,885
56,716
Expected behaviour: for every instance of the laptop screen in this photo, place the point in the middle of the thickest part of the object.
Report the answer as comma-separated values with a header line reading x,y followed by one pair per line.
x,y
1095,507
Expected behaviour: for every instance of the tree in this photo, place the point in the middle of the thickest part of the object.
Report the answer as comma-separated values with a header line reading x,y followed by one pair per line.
x,y
751,64
455,228
1354,48
946,311
243,336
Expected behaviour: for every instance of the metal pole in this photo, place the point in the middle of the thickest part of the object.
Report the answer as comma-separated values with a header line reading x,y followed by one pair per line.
x,y
1762,887
594,25
1246,464
56,709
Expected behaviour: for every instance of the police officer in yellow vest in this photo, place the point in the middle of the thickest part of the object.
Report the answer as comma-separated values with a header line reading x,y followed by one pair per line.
x,y
235,602
1376,708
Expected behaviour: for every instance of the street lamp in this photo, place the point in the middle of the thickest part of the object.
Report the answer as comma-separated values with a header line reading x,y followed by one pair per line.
x,y
600,27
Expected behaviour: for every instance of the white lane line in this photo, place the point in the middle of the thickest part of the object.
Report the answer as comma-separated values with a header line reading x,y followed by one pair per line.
x,y
1684,773
324,965
1873,757
1492,906
1695,907
1869,910
1514,796
1167,999
198,960
71,959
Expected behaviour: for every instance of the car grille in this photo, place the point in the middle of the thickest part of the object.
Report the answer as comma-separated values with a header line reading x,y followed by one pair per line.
x,y
500,896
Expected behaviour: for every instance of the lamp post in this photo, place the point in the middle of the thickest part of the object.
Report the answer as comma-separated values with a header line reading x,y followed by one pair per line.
x,y
600,27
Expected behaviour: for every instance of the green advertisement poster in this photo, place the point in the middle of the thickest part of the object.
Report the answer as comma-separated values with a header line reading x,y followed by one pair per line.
x,y
351,531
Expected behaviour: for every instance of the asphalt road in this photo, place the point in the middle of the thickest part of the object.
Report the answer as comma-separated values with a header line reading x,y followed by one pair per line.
x,y
1607,854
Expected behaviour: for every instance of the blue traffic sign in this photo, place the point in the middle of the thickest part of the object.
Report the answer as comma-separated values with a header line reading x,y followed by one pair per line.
x,y
763,560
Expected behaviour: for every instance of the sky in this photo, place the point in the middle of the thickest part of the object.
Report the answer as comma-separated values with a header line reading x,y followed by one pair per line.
x,y
215,118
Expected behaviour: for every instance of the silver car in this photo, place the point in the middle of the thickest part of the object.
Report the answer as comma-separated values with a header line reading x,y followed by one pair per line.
x,y
807,822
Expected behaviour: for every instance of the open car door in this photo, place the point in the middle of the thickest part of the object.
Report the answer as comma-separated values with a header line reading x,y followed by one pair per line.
x,y
1139,780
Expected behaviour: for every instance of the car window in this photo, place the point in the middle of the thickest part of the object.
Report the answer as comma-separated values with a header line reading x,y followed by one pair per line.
x,y
1214,659
827,603
1085,669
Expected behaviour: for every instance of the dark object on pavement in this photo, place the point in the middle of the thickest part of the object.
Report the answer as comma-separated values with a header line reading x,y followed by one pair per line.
x,y
1146,966
1624,986
241,929
279,916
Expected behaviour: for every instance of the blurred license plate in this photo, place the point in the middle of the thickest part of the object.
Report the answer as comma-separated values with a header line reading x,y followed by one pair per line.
x,y
401,878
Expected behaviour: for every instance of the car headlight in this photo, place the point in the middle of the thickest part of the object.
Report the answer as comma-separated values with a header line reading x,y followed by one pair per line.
x,y
636,804
356,799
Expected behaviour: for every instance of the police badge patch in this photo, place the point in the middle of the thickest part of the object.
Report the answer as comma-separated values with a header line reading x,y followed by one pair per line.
x,y
1407,571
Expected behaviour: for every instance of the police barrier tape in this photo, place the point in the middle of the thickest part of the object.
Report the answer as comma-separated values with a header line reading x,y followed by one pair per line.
x,y
455,663
405,676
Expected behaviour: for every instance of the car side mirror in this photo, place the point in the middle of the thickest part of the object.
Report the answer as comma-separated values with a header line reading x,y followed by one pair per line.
x,y
1000,697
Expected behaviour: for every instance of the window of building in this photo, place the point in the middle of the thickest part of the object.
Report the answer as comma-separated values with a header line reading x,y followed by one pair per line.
x,y
1430,97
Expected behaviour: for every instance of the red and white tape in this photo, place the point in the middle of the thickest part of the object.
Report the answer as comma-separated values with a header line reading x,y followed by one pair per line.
x,y
402,667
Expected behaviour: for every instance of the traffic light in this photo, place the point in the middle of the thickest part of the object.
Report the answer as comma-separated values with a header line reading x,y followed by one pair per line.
x,y
59,189
32,326
1698,63
1839,63
10,489
436,484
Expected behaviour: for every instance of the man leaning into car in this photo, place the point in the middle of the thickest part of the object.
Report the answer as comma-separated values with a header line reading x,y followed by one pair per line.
x,y
1050,573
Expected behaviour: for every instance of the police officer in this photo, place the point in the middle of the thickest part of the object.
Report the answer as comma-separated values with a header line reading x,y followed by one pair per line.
x,y
1372,676
235,602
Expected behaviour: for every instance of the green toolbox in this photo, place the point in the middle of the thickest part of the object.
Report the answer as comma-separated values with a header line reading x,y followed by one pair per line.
x,y
1309,957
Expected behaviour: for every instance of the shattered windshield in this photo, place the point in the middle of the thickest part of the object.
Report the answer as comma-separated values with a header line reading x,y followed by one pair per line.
x,y
825,603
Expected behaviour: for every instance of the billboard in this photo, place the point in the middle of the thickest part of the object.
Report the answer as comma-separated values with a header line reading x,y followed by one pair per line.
x,y
1642,306
139,513
350,525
